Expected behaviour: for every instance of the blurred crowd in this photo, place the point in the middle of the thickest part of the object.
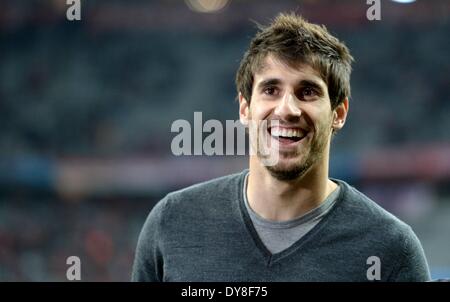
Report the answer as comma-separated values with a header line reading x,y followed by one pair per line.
x,y
69,90
38,234
66,91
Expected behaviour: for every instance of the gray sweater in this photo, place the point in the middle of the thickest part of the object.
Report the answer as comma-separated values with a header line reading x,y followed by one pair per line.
x,y
204,233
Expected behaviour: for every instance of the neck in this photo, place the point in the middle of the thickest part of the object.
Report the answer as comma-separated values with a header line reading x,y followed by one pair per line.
x,y
278,200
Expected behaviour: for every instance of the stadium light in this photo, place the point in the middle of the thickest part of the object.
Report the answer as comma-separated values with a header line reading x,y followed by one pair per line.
x,y
404,1
206,6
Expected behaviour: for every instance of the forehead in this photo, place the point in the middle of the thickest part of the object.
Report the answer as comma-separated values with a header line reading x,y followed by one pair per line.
x,y
272,67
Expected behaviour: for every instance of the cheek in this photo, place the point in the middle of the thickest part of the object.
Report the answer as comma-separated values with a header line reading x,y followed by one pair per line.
x,y
319,118
260,110
325,121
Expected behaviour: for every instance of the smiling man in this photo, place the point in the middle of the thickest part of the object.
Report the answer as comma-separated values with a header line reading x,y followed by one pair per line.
x,y
287,221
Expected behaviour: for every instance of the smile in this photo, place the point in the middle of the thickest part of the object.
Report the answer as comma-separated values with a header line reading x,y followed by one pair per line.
x,y
287,136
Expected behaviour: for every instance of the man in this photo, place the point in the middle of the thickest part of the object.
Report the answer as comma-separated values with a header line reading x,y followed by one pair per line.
x,y
287,221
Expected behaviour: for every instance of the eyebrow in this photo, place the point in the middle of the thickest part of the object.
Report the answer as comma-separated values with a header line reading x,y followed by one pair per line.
x,y
311,83
274,81
268,82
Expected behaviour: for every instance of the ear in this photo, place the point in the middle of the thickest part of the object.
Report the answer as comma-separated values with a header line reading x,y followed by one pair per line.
x,y
244,108
340,115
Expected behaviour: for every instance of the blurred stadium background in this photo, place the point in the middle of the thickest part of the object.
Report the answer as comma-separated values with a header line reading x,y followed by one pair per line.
x,y
86,109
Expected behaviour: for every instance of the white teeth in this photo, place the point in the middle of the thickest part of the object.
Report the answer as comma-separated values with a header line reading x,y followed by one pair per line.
x,y
276,131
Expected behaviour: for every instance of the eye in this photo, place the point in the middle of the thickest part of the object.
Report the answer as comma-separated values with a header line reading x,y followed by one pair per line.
x,y
271,90
309,92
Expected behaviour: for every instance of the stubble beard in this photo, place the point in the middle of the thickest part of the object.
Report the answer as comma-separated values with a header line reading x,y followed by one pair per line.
x,y
311,156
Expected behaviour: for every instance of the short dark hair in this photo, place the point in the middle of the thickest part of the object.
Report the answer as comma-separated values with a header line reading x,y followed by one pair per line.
x,y
294,40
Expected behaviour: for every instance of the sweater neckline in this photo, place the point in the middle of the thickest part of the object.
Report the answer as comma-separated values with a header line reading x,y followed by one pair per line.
x,y
314,232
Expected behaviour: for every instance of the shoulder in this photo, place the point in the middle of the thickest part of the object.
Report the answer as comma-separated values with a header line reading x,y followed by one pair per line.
x,y
364,214
362,208
382,232
225,186
200,198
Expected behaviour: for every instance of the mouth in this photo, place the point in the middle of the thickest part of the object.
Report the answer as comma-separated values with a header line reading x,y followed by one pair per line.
x,y
287,135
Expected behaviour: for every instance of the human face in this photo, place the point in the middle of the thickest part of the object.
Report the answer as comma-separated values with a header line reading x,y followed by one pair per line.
x,y
296,97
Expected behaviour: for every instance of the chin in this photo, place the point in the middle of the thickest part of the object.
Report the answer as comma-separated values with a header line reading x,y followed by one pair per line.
x,y
286,172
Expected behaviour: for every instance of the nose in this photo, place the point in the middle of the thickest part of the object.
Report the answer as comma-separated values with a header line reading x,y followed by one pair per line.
x,y
288,107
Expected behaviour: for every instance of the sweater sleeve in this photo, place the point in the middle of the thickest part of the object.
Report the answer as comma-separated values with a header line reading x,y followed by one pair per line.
x,y
148,261
413,266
